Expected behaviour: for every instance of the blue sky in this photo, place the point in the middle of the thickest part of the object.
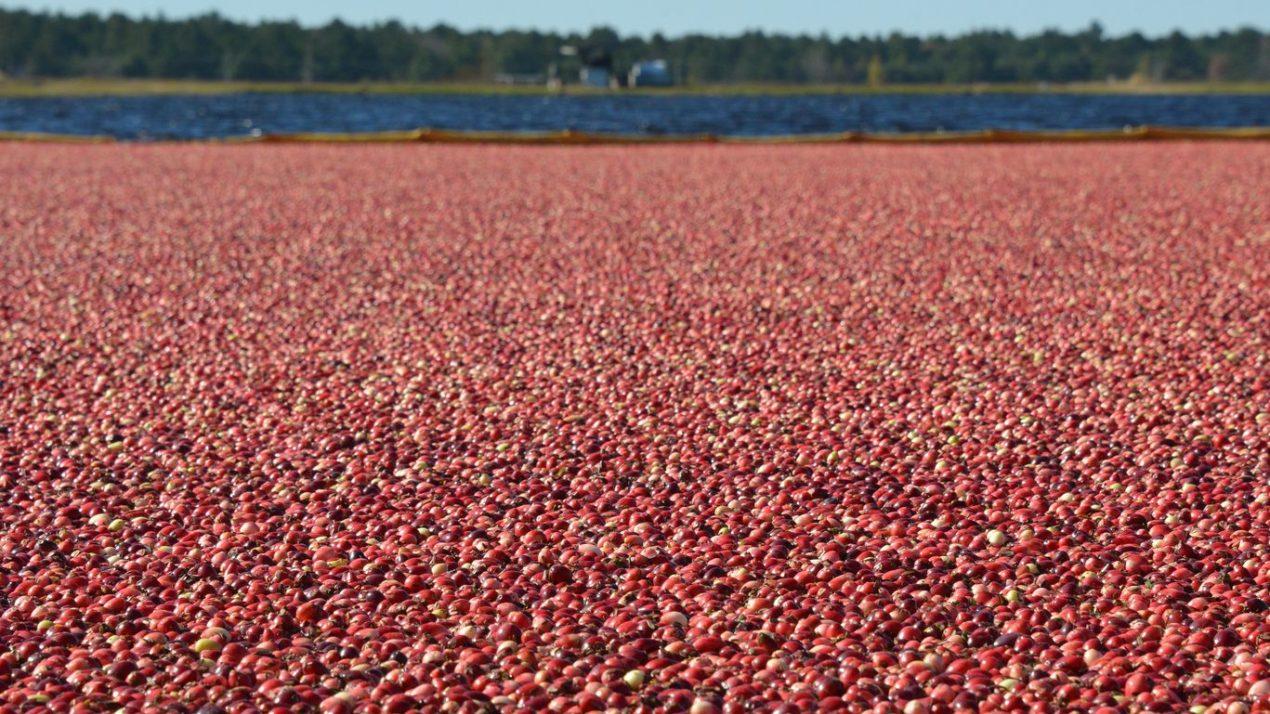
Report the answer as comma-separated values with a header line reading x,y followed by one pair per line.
x,y
675,17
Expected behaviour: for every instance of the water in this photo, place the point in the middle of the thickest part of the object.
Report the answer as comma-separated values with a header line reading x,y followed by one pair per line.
x,y
194,117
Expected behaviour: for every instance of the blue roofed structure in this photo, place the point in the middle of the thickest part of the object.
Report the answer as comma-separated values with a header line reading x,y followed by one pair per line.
x,y
650,73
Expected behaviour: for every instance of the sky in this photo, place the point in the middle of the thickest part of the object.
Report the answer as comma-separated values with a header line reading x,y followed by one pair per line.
x,y
677,17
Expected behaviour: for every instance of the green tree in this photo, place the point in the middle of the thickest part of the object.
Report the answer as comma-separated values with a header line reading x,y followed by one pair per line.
x,y
876,73
211,47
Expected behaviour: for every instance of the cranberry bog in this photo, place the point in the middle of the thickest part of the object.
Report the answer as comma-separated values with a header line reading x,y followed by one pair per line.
x,y
670,428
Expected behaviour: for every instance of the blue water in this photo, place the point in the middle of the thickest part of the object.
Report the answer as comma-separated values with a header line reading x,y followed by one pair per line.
x,y
189,117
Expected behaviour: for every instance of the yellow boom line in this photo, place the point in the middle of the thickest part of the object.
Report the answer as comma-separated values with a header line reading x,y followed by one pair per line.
x,y
575,138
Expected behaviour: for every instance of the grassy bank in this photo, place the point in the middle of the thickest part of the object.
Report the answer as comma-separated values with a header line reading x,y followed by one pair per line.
x,y
124,87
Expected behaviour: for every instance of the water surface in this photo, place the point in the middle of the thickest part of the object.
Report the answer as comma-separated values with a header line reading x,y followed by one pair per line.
x,y
193,117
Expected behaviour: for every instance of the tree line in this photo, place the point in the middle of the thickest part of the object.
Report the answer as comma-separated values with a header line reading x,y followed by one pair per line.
x,y
210,47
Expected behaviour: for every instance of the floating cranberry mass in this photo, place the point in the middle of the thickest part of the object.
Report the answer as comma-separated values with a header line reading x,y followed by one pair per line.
x,y
680,428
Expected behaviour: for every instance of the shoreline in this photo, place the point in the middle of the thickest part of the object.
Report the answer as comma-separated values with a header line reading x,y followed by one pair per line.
x,y
53,88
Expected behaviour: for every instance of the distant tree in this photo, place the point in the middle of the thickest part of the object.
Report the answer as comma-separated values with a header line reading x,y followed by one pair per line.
x,y
1145,70
815,63
1218,67
1182,60
875,71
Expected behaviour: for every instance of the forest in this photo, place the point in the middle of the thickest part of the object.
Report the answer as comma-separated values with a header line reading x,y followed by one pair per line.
x,y
211,47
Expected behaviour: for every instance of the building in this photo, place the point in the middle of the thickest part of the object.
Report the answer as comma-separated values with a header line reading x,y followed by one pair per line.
x,y
595,76
650,73
597,69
